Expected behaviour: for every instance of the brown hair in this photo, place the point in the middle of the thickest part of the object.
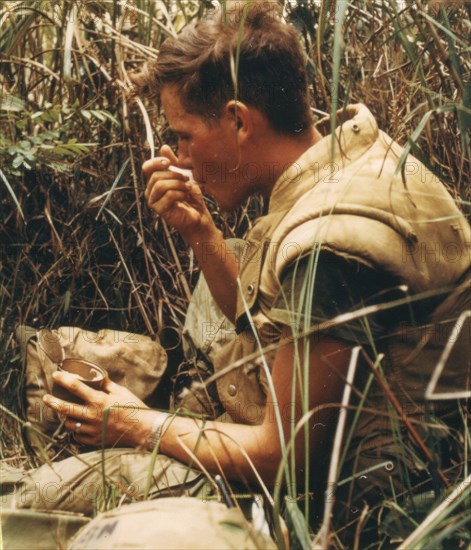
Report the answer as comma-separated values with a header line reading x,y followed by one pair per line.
x,y
202,62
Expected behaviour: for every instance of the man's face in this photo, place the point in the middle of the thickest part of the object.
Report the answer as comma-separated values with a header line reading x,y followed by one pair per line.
x,y
212,152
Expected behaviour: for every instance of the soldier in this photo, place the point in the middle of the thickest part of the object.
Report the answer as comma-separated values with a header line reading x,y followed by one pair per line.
x,y
343,231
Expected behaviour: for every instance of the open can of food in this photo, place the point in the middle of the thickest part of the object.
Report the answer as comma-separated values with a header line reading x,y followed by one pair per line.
x,y
87,372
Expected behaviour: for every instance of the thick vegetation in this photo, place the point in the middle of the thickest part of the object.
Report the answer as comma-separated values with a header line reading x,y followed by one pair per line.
x,y
78,244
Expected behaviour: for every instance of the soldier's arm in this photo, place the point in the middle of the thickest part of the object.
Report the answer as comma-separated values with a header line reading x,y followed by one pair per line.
x,y
225,446
219,266
180,202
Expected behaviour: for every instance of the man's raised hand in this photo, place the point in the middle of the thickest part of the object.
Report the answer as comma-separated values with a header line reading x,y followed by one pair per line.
x,y
179,201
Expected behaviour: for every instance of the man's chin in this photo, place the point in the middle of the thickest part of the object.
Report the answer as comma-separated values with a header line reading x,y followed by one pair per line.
x,y
224,204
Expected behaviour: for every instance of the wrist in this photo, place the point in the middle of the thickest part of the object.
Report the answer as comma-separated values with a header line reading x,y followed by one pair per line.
x,y
156,431
205,233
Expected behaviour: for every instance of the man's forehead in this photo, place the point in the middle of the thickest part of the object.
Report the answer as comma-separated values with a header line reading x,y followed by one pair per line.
x,y
178,117
174,111
170,99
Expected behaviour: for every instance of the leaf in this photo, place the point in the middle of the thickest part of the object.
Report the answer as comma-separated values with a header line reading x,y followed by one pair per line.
x,y
21,124
26,145
298,523
69,149
11,103
100,115
61,151
17,161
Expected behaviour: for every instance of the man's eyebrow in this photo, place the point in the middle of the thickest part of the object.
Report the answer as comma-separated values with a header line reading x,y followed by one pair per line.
x,y
178,132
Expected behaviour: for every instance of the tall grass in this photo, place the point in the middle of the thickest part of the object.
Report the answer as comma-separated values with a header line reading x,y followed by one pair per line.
x,y
410,64
78,244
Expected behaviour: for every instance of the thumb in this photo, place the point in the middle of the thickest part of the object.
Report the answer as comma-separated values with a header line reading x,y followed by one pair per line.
x,y
167,152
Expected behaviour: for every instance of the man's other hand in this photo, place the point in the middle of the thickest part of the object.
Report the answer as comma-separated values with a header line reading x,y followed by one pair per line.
x,y
114,416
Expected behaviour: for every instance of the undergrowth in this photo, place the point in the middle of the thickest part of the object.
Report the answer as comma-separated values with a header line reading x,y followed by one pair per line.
x,y
78,244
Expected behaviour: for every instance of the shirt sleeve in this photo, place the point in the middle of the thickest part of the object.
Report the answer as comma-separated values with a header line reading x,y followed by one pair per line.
x,y
323,285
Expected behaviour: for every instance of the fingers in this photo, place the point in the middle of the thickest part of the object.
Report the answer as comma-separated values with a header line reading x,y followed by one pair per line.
x,y
162,181
167,152
169,180
194,190
79,429
76,386
105,417
79,412
166,188
86,432
162,162
154,165
92,399
86,421
164,197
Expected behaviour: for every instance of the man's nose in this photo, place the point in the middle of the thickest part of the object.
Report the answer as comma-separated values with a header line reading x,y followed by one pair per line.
x,y
184,159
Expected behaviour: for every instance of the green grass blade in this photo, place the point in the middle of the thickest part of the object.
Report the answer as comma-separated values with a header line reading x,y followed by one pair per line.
x,y
341,12
113,187
12,193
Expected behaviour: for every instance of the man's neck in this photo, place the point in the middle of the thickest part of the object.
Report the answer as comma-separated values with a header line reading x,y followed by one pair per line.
x,y
282,153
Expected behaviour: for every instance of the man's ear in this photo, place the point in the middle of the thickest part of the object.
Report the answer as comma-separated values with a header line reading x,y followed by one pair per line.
x,y
241,117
